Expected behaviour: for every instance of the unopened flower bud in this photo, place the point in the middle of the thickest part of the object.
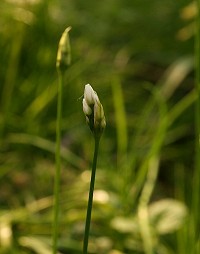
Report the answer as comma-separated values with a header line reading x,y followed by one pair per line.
x,y
90,95
86,108
99,117
64,51
93,111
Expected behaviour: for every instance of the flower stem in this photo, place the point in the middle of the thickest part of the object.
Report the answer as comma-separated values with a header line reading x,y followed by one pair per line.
x,y
58,163
90,199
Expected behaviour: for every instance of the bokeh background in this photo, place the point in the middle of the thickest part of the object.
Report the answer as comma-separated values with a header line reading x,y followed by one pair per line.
x,y
138,56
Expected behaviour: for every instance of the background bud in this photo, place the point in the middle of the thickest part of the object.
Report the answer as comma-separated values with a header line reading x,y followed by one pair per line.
x,y
64,51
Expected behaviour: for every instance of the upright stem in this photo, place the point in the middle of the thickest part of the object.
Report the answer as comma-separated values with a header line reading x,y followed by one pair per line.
x,y
58,163
90,199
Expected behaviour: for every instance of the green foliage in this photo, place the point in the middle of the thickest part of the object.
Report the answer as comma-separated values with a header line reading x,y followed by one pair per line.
x,y
138,55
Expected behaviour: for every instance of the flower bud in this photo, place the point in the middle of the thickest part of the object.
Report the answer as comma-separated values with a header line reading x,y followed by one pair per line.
x,y
90,95
93,111
86,109
64,51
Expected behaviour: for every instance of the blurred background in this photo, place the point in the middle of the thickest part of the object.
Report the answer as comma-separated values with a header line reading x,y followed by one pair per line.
x,y
138,56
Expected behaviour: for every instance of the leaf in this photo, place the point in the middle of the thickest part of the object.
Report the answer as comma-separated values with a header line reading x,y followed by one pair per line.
x,y
37,245
125,225
167,215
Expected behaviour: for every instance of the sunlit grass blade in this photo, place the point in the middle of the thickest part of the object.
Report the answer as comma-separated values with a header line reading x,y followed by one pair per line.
x,y
196,177
156,144
46,145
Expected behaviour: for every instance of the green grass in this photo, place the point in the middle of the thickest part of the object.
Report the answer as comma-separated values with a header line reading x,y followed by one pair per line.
x,y
196,187
146,195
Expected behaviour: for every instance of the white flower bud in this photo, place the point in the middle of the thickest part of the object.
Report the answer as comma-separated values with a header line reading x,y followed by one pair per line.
x,y
86,109
90,95
93,110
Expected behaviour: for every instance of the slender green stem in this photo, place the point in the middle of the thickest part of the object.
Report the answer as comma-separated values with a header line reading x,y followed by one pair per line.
x,y
58,163
90,199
